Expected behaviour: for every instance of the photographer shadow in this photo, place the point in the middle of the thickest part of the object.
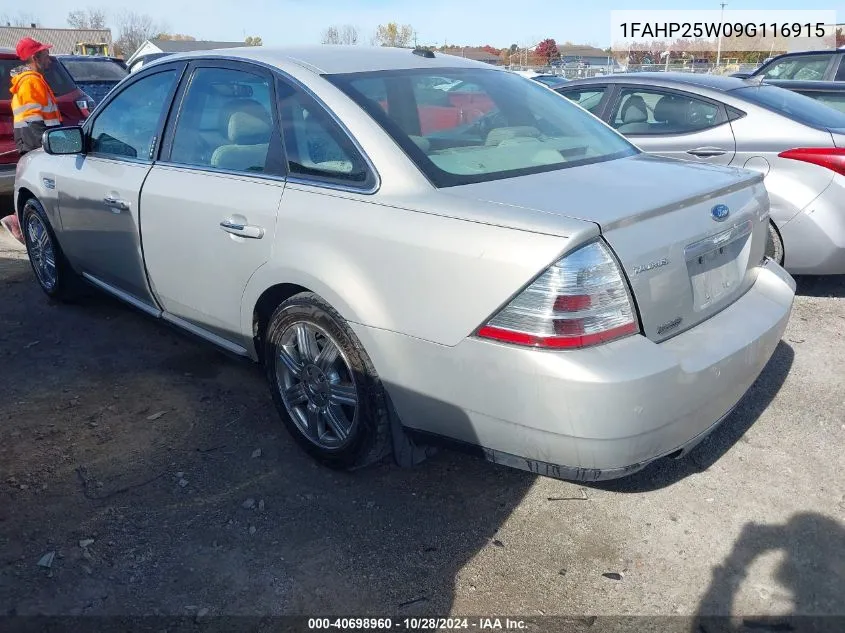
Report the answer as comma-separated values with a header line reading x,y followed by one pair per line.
x,y
812,571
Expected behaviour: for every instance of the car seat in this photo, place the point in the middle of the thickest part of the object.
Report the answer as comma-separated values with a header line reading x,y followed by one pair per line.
x,y
634,116
248,130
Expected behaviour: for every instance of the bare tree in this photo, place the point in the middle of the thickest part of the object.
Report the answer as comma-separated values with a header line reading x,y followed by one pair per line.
x,y
21,19
87,19
346,34
392,34
135,29
331,36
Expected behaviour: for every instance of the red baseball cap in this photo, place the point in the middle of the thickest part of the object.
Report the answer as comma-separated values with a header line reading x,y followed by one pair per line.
x,y
29,47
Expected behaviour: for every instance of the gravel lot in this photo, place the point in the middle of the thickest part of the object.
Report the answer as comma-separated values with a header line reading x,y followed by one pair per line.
x,y
156,470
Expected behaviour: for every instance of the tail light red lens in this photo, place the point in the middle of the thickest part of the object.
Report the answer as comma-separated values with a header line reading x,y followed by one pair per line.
x,y
579,301
84,106
832,158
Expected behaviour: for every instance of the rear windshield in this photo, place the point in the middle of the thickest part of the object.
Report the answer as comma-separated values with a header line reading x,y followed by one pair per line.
x,y
58,78
462,126
796,106
94,70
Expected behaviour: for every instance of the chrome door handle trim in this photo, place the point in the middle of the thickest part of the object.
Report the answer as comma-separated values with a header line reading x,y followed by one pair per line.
x,y
705,152
242,230
116,203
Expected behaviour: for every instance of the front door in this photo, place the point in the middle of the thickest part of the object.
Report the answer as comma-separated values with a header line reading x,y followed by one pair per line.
x,y
674,124
99,191
210,205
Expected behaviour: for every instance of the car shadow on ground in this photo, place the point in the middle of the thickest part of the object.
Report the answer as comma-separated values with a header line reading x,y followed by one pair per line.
x,y
169,462
665,472
812,570
820,285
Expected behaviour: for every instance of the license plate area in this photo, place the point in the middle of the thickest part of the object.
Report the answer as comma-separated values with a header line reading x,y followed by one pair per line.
x,y
717,265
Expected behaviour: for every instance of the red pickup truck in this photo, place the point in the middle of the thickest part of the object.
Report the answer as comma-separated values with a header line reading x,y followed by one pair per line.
x,y
74,105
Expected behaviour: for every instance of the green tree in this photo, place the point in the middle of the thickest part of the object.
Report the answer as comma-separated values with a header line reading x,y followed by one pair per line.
x,y
253,40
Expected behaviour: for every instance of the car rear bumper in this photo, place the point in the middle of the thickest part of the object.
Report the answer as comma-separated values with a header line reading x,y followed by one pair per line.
x,y
814,239
7,179
591,414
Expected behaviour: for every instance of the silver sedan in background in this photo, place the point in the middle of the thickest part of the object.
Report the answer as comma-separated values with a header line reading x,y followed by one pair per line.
x,y
797,143
531,290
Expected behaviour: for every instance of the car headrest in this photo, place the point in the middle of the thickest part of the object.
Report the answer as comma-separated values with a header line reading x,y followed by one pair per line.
x,y
670,110
499,134
247,129
231,106
635,110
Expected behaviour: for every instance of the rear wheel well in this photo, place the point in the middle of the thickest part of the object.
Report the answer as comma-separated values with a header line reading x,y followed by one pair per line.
x,y
267,303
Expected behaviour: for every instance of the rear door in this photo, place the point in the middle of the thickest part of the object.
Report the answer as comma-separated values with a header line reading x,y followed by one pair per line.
x,y
673,123
210,204
99,191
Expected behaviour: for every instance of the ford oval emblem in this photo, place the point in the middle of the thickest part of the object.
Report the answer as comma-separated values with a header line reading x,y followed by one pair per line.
x,y
720,212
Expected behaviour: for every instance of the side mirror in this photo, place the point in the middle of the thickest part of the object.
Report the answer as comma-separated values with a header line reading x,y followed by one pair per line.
x,y
63,140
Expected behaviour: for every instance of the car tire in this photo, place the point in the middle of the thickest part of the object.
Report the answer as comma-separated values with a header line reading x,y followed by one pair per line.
x,y
329,396
774,245
52,270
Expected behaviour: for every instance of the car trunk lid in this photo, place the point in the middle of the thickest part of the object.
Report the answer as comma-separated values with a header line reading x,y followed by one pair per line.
x,y
689,236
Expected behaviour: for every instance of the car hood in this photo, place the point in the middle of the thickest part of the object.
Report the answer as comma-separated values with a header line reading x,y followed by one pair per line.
x,y
611,193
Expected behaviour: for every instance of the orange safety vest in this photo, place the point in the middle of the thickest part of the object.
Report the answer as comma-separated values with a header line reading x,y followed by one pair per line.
x,y
33,100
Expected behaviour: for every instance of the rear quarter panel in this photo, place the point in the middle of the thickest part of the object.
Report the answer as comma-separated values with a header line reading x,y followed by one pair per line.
x,y
760,136
424,275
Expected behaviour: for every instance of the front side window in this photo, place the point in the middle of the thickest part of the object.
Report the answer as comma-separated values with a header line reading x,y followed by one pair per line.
x,y
492,124
225,121
587,98
806,68
656,112
316,146
128,124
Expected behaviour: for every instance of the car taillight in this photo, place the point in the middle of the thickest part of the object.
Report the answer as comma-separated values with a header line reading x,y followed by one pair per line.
x,y
579,301
832,158
85,107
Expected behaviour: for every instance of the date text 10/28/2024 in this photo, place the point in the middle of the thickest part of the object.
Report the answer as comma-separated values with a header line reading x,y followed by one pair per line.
x,y
416,624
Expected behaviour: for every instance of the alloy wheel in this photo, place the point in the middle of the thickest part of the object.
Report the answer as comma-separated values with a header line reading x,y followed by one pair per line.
x,y
41,251
316,384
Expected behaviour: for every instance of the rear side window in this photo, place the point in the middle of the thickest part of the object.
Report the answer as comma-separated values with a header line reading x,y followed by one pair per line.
x,y
793,105
799,68
56,75
656,112
316,146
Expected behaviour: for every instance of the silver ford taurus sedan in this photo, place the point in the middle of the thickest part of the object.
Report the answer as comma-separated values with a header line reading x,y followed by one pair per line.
x,y
796,142
539,291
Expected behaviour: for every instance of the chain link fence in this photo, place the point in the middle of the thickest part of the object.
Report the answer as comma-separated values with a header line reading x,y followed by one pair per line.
x,y
578,71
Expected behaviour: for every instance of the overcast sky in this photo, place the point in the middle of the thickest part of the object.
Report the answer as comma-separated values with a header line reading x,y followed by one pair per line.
x,y
496,22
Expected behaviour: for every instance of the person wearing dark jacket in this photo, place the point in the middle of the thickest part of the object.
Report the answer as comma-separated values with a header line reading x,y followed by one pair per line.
x,y
34,106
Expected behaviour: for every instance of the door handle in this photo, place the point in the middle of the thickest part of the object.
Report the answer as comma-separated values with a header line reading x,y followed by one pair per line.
x,y
116,203
242,230
705,152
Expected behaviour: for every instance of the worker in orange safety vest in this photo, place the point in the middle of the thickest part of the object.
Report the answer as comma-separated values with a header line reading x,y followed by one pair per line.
x,y
34,106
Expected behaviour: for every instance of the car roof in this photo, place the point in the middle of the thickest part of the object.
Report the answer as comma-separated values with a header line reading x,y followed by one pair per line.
x,y
714,82
333,59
